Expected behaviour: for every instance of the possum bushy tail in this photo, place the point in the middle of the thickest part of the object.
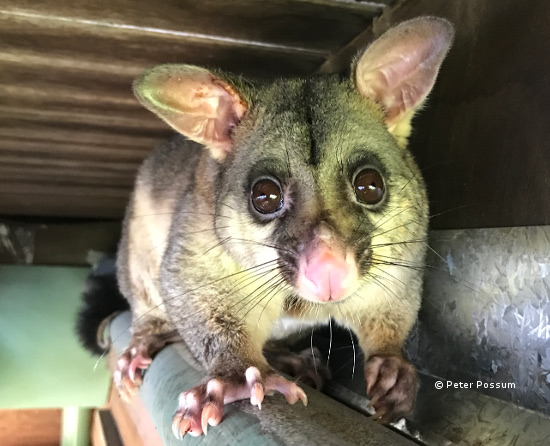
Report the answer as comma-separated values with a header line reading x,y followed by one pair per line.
x,y
101,300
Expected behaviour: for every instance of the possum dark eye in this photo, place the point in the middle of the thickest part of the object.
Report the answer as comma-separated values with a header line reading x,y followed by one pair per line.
x,y
369,186
267,196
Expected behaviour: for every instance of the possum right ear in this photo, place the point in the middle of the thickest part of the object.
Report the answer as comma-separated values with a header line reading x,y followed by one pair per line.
x,y
399,69
195,102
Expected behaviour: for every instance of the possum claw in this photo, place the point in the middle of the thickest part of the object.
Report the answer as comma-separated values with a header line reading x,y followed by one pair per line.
x,y
254,381
212,415
128,374
257,395
302,396
138,362
180,427
290,390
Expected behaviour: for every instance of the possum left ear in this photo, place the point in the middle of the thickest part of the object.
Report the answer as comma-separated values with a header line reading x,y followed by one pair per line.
x,y
399,69
195,102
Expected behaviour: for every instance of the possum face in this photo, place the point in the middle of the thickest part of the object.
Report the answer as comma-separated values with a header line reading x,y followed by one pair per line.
x,y
314,175
320,185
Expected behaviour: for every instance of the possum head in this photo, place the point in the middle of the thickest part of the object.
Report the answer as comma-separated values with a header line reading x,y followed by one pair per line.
x,y
314,173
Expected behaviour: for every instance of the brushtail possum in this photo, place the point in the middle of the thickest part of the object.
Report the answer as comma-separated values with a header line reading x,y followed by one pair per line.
x,y
295,198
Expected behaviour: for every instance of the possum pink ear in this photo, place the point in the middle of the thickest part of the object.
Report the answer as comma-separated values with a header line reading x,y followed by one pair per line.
x,y
195,102
399,69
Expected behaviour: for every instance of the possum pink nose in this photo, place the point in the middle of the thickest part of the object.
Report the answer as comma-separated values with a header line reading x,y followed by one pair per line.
x,y
325,277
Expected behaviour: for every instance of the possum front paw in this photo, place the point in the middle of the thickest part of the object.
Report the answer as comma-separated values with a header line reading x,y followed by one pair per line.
x,y
203,404
307,366
130,366
392,383
128,374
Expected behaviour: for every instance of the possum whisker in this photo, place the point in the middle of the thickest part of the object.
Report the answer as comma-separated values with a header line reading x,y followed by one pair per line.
x,y
216,245
330,339
435,252
252,279
230,239
432,237
271,284
354,353
254,242
268,245
376,259
383,220
342,365
207,230
312,350
244,282
405,224
395,261
134,217
392,279
379,281
343,347
394,228
350,317
275,288
143,257
381,259
456,208
395,281
400,263
415,175
402,242
342,314
424,169
141,260
265,294
227,206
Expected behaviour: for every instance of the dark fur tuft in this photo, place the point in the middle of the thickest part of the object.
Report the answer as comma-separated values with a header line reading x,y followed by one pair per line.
x,y
100,300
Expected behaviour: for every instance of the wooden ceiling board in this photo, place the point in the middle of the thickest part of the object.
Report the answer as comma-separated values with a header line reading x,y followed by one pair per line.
x,y
72,135
320,25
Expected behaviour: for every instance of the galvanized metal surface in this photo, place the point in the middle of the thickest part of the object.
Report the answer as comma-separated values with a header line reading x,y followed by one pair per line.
x,y
486,311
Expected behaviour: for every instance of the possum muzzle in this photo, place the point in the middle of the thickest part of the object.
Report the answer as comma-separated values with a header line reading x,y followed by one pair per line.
x,y
327,270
